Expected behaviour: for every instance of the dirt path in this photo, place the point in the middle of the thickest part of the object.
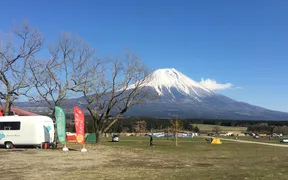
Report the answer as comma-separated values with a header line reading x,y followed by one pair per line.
x,y
253,142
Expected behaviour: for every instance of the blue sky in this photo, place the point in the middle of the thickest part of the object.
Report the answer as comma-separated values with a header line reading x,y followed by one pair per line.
x,y
240,42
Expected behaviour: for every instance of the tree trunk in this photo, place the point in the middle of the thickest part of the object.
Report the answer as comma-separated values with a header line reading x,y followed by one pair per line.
x,y
7,105
97,132
98,137
176,139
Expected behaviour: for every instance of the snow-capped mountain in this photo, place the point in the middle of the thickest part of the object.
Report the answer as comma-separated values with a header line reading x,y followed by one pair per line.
x,y
169,79
180,95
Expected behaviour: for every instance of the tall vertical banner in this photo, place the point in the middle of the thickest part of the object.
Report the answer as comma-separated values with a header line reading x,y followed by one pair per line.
x,y
61,124
79,125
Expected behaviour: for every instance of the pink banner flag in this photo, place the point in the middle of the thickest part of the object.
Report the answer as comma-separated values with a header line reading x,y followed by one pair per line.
x,y
79,125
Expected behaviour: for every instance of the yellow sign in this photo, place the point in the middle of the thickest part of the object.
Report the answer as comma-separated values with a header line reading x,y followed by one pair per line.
x,y
80,138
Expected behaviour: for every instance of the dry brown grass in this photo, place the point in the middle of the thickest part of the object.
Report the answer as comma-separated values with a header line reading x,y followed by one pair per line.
x,y
51,164
194,159
101,162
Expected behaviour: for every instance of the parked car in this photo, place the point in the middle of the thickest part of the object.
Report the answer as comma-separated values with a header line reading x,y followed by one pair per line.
x,y
256,137
284,140
115,138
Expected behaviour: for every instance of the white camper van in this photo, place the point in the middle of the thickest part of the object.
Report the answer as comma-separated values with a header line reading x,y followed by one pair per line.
x,y
26,131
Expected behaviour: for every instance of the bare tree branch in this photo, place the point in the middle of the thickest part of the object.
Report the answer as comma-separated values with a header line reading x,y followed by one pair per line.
x,y
114,90
65,72
15,53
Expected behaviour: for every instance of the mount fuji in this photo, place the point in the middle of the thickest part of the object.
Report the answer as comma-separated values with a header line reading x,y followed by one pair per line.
x,y
179,95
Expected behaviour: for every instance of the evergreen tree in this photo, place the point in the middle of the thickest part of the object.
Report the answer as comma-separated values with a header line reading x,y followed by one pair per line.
x,y
196,129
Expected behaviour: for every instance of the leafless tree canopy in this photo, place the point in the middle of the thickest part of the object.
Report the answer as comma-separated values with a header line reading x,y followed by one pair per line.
x,y
53,79
216,129
110,86
117,85
140,126
16,50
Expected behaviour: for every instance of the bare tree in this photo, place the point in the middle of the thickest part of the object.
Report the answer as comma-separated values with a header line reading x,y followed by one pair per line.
x,y
140,127
55,78
16,50
216,129
118,87
176,127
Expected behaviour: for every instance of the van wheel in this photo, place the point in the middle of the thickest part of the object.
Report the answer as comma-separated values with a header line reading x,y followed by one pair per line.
x,y
9,145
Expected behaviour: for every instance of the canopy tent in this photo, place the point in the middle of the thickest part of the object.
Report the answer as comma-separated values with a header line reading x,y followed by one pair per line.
x,y
216,141
90,137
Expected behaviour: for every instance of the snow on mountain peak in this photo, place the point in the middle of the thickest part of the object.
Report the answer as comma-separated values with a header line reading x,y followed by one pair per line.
x,y
165,79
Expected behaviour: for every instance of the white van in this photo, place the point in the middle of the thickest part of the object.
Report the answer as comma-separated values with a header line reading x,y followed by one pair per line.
x,y
26,131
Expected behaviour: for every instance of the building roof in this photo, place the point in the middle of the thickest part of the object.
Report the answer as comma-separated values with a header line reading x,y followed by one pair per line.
x,y
20,112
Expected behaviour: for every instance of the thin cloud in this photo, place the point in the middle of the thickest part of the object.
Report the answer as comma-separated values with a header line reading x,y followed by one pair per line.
x,y
238,87
213,85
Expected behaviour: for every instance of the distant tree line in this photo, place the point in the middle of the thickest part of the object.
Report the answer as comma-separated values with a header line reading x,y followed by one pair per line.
x,y
128,125
135,125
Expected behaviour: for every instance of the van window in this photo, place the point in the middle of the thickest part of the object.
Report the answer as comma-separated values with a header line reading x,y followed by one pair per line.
x,y
10,125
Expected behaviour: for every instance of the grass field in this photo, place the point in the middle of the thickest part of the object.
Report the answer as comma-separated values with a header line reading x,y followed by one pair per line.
x,y
207,127
132,159
250,138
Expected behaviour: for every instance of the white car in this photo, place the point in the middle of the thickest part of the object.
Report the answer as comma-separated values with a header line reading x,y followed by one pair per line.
x,y
115,138
284,140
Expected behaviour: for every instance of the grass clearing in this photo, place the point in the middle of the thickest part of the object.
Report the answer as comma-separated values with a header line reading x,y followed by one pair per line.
x,y
251,138
132,159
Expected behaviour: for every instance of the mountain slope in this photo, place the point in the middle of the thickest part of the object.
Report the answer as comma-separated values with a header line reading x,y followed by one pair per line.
x,y
180,95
